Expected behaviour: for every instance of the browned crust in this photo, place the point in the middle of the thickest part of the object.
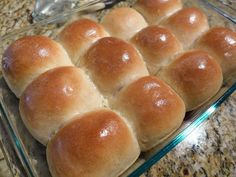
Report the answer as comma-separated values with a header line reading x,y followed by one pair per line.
x,y
79,35
30,56
157,45
55,97
220,42
98,144
156,10
154,109
110,61
123,22
195,76
187,24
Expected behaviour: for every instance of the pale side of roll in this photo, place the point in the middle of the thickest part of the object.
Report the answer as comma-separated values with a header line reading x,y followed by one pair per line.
x,y
95,144
152,108
79,35
220,42
54,98
187,24
113,63
155,11
28,57
157,46
195,76
123,22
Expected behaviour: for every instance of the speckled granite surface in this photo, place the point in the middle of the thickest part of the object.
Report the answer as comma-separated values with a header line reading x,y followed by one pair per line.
x,y
209,151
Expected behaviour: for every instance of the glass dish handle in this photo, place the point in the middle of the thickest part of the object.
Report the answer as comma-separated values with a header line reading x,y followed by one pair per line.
x,y
44,9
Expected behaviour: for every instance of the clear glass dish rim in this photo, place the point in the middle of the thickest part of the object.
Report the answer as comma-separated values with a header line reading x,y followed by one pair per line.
x,y
222,12
158,155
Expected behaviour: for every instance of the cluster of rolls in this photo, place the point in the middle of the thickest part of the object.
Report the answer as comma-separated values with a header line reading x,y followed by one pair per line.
x,y
105,92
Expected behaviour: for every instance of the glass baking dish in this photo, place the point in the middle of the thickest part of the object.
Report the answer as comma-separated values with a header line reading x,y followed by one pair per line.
x,y
31,154
225,7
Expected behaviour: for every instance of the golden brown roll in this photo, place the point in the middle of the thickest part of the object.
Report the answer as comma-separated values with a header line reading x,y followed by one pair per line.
x,y
155,11
123,22
157,46
195,76
96,144
113,63
54,98
79,35
28,57
221,44
152,108
187,24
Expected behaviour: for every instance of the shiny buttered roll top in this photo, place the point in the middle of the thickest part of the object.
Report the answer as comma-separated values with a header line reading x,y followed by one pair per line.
x,y
113,63
28,57
123,22
187,24
153,109
96,144
195,76
220,42
54,98
157,46
79,35
155,11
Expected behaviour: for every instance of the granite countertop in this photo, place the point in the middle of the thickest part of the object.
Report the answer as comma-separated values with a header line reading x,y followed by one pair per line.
x,y
210,150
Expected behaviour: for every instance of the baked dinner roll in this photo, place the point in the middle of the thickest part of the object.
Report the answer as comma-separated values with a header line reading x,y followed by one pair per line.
x,y
221,44
157,45
28,57
153,108
155,11
96,144
187,24
113,63
79,35
123,22
195,76
54,98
